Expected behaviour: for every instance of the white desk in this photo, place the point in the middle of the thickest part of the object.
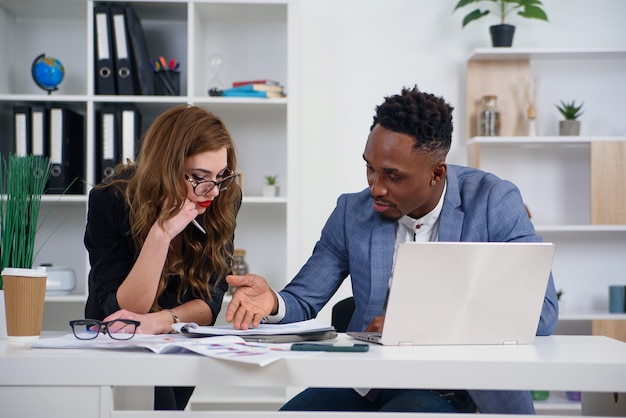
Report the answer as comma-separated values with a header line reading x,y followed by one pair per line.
x,y
67,383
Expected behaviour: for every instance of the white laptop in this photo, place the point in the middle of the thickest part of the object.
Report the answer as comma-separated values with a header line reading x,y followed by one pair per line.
x,y
444,293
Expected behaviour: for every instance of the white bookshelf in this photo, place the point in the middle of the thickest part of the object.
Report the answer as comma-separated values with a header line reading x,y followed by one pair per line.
x,y
556,174
256,40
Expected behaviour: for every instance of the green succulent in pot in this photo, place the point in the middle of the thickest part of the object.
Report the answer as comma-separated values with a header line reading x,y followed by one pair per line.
x,y
570,110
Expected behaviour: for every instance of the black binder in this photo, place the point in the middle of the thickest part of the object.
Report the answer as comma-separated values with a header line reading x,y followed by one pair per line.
x,y
40,124
107,142
124,70
103,50
67,151
130,132
21,130
144,83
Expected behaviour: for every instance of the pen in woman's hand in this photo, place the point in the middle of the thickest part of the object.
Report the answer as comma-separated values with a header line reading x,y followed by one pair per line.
x,y
197,225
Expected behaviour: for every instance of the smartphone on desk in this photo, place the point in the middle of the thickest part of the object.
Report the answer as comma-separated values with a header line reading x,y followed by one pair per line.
x,y
356,348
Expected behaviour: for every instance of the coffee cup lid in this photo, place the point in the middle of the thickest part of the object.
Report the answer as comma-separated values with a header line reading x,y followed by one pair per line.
x,y
34,272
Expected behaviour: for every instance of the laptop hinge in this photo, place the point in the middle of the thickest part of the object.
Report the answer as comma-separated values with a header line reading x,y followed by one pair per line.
x,y
510,342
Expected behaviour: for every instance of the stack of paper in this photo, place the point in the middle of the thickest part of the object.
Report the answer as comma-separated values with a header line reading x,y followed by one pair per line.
x,y
310,330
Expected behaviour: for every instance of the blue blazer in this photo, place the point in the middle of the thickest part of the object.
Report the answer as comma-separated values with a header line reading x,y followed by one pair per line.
x,y
357,242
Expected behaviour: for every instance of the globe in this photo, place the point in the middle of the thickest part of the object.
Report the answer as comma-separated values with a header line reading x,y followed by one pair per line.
x,y
47,72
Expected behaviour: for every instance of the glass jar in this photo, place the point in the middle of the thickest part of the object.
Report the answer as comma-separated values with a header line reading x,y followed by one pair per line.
x,y
240,267
532,121
489,117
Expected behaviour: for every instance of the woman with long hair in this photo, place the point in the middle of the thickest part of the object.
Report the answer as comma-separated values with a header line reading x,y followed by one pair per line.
x,y
160,231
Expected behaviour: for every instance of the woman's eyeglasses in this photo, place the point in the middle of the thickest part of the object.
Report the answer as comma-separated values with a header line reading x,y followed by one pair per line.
x,y
118,329
202,187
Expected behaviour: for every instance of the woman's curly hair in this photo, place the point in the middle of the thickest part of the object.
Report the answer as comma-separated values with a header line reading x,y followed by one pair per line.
x,y
153,192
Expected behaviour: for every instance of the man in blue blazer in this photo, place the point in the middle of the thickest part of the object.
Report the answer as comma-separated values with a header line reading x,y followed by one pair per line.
x,y
415,195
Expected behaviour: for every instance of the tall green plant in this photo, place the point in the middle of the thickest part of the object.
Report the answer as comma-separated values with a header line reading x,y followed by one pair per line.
x,y
22,183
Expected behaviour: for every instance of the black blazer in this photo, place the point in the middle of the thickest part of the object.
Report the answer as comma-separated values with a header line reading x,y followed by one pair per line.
x,y
112,254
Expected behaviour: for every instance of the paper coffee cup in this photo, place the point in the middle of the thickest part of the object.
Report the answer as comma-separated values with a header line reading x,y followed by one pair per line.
x,y
24,298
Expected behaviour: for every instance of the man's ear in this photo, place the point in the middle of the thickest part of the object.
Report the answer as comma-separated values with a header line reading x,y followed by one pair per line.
x,y
440,171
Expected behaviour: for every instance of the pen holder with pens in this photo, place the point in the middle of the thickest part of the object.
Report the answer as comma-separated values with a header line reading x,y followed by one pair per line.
x,y
167,83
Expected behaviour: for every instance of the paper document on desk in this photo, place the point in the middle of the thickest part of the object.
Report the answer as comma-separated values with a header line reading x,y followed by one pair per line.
x,y
230,347
310,330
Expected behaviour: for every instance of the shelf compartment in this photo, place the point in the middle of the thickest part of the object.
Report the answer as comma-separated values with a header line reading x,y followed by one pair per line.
x,y
36,26
607,170
507,72
560,198
59,223
585,265
586,185
262,231
251,39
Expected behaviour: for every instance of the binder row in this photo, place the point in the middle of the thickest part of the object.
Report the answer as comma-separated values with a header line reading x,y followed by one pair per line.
x,y
122,61
118,129
58,133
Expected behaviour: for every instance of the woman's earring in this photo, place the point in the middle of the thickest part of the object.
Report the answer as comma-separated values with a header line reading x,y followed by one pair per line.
x,y
433,182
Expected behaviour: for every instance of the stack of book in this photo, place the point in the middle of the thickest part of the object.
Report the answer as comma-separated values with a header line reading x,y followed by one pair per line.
x,y
255,88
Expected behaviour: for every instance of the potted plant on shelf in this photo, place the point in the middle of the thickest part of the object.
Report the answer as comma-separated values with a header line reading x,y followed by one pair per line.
x,y
502,33
22,183
270,189
570,111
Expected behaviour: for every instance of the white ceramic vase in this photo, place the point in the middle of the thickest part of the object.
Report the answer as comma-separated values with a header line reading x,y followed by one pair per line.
x,y
270,191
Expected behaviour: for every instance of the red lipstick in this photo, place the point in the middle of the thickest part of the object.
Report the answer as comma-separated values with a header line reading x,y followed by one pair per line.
x,y
205,204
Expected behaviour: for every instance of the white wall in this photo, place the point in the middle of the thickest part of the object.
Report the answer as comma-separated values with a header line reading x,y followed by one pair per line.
x,y
355,52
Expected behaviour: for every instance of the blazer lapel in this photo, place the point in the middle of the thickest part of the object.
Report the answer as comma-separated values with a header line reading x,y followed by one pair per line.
x,y
381,259
451,218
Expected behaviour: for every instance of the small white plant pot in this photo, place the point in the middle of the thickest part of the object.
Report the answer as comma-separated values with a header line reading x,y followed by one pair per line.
x,y
270,191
